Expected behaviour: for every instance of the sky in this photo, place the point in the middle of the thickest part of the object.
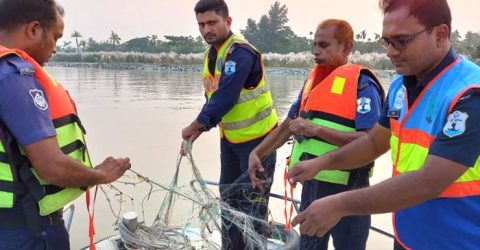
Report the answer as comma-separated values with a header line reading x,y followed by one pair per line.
x,y
139,18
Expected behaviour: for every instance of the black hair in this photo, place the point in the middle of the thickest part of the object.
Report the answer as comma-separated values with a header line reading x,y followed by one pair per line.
x,y
14,13
219,6
428,12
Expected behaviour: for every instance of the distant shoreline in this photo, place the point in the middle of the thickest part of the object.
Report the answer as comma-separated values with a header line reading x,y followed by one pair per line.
x,y
282,71
166,67
292,63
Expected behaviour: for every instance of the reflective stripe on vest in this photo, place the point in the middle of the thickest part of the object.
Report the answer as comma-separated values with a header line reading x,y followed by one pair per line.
x,y
253,115
318,105
413,132
70,138
6,177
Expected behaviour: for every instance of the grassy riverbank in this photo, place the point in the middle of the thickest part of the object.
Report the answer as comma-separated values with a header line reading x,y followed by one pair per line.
x,y
292,60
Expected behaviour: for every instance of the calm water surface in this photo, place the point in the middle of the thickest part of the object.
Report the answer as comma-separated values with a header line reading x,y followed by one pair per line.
x,y
140,114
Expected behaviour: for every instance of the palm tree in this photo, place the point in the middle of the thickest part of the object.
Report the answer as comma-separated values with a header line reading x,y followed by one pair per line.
x,y
363,35
76,35
66,44
114,38
82,44
358,37
153,40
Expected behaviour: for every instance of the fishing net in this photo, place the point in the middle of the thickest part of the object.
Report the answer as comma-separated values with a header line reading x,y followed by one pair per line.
x,y
190,215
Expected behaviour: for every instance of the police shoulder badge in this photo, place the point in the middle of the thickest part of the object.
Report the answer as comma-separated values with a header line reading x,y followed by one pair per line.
x,y
456,124
230,67
38,99
400,98
364,105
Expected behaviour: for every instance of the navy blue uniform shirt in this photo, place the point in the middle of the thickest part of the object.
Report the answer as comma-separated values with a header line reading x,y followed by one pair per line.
x,y
366,89
463,149
247,73
28,120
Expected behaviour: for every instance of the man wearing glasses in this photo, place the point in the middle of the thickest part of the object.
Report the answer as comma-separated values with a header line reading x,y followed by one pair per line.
x,y
430,123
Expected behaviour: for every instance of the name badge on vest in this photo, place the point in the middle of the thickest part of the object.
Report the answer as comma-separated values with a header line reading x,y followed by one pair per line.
x,y
393,113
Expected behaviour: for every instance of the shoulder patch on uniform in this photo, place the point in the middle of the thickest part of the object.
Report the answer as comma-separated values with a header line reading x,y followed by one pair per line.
x,y
364,105
230,68
26,71
38,99
362,86
23,68
456,124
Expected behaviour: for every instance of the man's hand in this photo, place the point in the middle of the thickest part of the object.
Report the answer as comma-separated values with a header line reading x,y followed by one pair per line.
x,y
302,171
255,167
61,170
302,126
190,133
112,169
320,216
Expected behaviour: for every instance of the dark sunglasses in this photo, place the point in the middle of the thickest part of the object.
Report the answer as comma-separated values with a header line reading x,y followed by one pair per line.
x,y
401,43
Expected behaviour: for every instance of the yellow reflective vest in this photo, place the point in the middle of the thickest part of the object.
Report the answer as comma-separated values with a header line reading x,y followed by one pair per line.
x,y
16,172
253,115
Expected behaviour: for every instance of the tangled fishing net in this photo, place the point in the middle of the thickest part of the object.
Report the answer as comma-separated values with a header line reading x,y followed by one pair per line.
x,y
190,215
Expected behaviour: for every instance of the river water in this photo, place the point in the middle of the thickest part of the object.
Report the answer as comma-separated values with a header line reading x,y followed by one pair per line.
x,y
140,114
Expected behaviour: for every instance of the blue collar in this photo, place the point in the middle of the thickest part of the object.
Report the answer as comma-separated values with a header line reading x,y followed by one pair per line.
x,y
410,81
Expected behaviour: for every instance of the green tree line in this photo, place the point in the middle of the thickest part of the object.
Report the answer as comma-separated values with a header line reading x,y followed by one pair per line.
x,y
269,34
148,44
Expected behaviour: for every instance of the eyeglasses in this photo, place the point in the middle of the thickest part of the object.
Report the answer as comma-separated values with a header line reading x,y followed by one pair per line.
x,y
400,43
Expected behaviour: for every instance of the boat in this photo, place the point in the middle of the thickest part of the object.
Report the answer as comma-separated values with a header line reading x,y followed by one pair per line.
x,y
290,241
281,239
